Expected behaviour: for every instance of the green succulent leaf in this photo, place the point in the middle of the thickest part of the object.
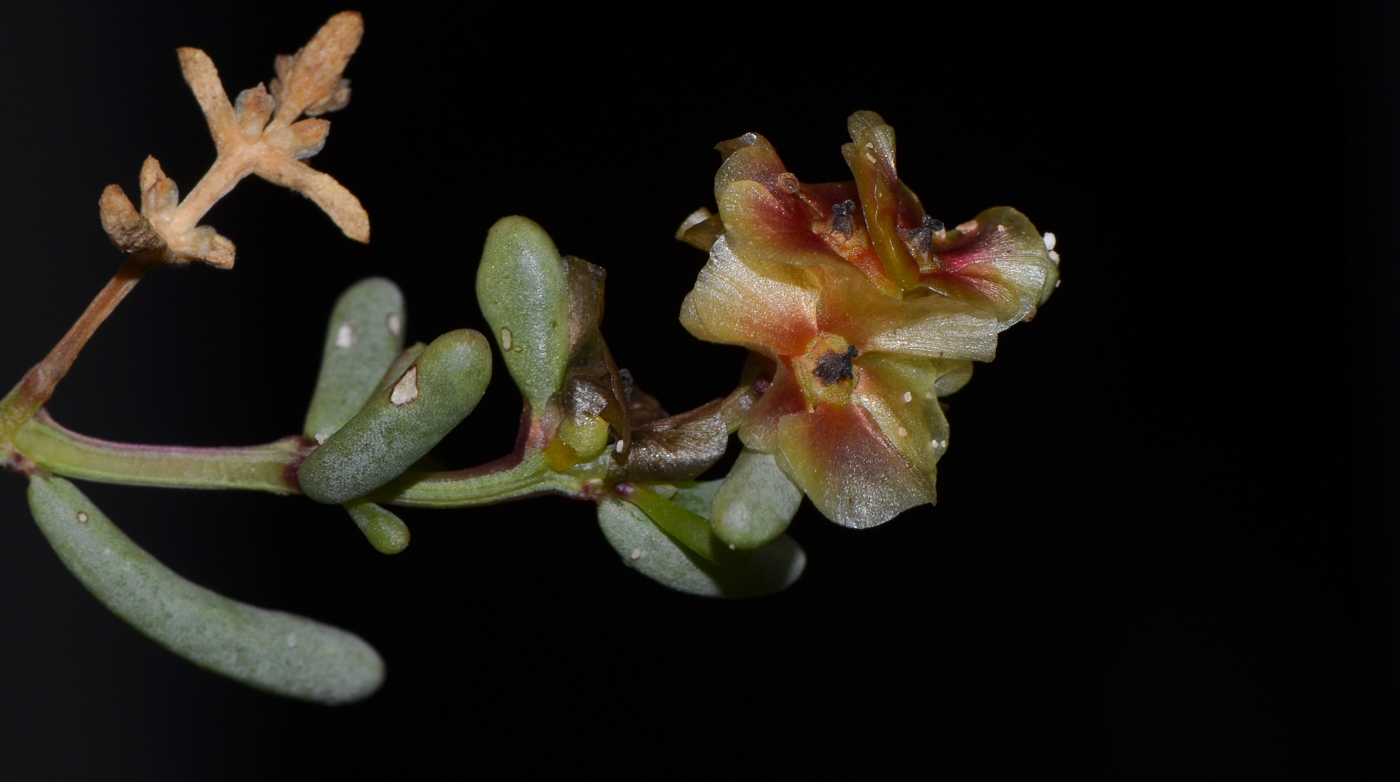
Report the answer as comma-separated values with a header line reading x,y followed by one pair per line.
x,y
384,529
523,289
274,651
654,553
364,335
397,427
756,502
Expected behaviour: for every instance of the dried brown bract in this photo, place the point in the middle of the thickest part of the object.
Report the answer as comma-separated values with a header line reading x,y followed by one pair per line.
x,y
261,133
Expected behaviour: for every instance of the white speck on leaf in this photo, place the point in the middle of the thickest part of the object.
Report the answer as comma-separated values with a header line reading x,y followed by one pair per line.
x,y
908,396
395,324
82,517
406,390
505,338
345,335
291,640
636,553
1049,241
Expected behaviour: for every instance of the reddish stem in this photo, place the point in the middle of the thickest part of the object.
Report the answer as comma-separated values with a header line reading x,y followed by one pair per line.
x,y
39,382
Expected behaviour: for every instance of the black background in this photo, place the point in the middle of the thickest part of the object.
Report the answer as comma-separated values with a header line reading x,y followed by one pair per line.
x,y
1164,547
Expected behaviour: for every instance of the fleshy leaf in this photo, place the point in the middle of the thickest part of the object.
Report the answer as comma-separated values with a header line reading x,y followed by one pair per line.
x,y
397,428
656,555
401,364
381,526
274,651
755,502
364,336
523,289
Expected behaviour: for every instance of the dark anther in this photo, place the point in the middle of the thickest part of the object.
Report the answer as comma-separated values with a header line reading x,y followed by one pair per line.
x,y
841,217
921,238
836,366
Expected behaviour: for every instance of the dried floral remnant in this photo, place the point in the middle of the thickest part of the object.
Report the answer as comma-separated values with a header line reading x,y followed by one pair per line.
x,y
258,133
309,82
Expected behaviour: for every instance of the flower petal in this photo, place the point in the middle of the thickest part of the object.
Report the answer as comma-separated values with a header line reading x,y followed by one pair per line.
x,y
871,160
773,313
1001,266
936,328
762,225
842,460
932,326
901,395
783,398
748,157
953,374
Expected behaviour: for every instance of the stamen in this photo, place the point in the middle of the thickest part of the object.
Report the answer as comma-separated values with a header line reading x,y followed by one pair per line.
x,y
835,366
841,217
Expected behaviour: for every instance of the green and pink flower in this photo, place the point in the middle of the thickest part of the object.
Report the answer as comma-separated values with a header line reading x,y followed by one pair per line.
x,y
870,309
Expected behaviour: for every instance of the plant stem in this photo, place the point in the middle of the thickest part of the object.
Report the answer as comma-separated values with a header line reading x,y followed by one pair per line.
x,y
271,467
497,481
37,385
225,174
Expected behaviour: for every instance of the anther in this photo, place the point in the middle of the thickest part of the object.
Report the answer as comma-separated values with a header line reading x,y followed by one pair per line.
x,y
841,217
836,366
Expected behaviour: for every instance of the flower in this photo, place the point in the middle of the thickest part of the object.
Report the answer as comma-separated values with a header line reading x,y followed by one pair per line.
x,y
996,262
870,310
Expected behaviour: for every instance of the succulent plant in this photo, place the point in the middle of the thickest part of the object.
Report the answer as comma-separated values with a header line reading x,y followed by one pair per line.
x,y
858,310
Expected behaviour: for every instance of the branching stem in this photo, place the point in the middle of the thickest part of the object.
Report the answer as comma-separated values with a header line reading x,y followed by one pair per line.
x,y
272,468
